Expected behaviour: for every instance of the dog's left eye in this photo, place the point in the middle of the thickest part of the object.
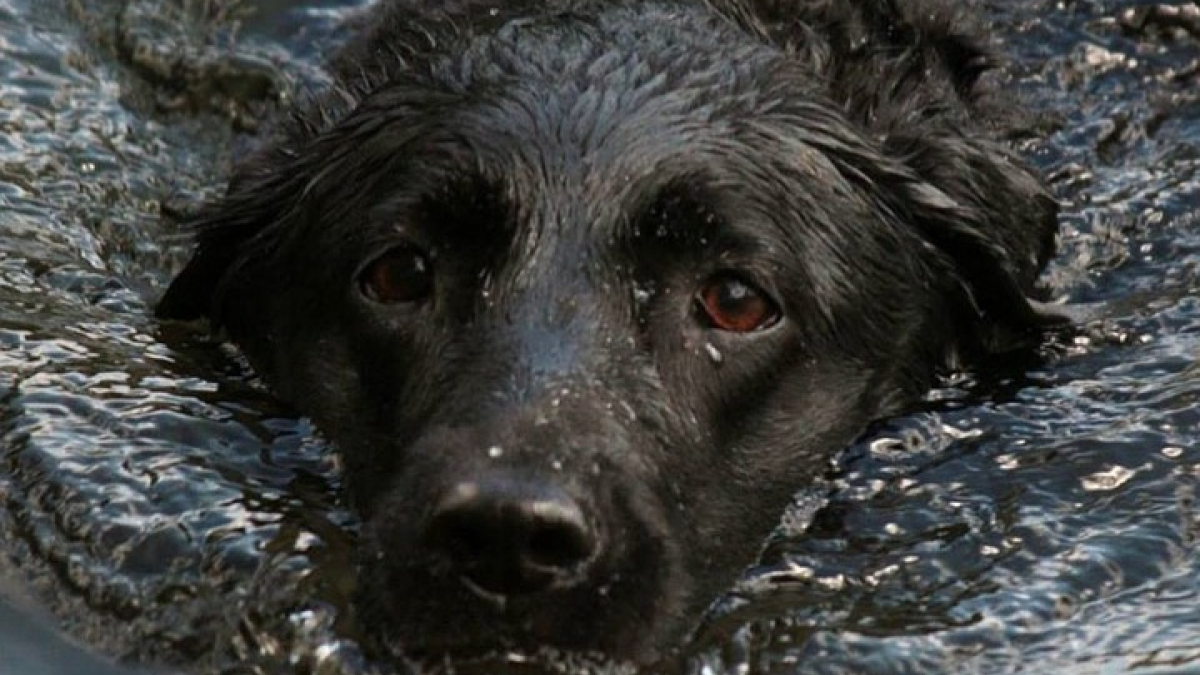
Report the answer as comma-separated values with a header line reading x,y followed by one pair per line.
x,y
732,304
398,276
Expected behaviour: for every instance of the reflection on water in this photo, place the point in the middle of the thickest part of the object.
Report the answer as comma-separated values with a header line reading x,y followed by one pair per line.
x,y
166,508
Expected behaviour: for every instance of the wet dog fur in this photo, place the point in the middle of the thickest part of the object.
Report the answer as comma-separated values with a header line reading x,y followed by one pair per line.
x,y
584,290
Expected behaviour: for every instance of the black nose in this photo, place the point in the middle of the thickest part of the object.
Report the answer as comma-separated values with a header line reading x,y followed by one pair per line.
x,y
511,536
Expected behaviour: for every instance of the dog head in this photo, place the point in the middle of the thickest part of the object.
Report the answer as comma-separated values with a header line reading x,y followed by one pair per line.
x,y
584,291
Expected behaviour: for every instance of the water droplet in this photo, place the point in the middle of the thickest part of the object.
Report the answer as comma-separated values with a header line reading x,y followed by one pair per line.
x,y
1109,479
629,411
879,576
1008,462
834,582
714,354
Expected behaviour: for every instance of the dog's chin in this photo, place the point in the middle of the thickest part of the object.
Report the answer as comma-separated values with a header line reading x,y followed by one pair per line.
x,y
466,658
537,642
547,661
448,623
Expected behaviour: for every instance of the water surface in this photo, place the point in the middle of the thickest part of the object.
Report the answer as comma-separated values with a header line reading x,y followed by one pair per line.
x,y
166,508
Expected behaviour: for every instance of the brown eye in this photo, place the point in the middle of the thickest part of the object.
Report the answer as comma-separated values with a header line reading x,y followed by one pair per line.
x,y
731,304
400,275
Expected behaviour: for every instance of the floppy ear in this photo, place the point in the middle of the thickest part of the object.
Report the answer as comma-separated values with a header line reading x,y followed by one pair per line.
x,y
192,292
224,232
992,219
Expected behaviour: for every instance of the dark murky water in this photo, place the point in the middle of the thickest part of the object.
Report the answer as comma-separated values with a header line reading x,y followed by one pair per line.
x,y
165,508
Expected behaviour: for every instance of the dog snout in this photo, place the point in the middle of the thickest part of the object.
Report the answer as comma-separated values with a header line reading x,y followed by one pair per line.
x,y
511,535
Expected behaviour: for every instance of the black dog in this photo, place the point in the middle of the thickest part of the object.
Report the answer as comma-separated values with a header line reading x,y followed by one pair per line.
x,y
583,290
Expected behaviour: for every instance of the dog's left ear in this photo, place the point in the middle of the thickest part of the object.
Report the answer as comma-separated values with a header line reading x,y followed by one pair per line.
x,y
991,218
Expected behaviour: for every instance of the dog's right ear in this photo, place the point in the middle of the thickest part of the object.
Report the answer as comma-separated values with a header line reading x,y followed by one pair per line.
x,y
225,231
192,292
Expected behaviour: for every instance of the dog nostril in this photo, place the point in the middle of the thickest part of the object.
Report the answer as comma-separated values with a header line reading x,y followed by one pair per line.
x,y
559,544
510,536
462,539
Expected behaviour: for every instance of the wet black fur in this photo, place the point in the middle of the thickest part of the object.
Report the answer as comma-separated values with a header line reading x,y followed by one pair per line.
x,y
575,170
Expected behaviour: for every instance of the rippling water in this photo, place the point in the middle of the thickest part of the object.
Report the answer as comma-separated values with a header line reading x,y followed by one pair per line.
x,y
166,508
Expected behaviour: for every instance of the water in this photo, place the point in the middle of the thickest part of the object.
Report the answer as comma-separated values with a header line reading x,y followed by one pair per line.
x,y
162,505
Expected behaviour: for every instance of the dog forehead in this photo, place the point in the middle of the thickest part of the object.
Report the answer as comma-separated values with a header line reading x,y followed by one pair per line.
x,y
580,122
585,42
590,113
623,82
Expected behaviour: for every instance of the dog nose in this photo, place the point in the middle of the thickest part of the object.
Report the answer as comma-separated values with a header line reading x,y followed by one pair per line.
x,y
511,536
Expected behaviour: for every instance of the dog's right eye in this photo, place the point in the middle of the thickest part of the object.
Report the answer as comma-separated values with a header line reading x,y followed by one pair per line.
x,y
398,276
